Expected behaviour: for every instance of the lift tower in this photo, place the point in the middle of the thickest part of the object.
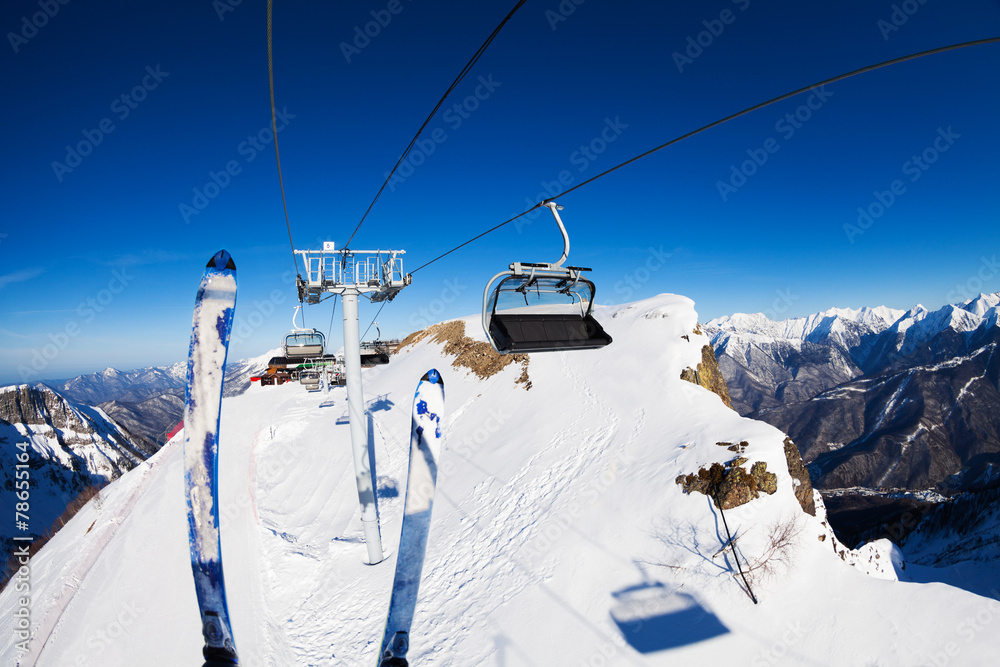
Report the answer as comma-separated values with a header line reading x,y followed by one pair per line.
x,y
349,272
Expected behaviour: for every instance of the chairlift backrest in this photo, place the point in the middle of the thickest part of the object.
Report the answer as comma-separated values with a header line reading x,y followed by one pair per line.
x,y
304,343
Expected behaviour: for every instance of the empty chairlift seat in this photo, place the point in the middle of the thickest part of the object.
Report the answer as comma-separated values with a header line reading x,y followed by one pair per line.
x,y
554,313
374,354
304,343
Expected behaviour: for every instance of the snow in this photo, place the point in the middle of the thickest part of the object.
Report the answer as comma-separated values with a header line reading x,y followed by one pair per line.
x,y
982,304
558,534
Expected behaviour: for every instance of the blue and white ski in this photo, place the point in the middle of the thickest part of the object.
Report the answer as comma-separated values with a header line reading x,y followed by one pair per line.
x,y
212,323
425,450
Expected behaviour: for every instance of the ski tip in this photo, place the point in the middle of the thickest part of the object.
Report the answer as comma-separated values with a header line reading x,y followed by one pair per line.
x,y
221,260
433,377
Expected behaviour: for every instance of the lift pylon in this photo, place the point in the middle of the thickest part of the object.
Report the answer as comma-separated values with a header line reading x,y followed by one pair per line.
x,y
350,273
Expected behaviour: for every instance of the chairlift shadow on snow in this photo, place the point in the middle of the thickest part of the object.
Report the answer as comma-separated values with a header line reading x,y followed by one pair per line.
x,y
655,617
380,404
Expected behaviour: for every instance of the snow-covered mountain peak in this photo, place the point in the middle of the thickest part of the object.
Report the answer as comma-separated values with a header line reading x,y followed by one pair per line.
x,y
982,304
876,319
920,324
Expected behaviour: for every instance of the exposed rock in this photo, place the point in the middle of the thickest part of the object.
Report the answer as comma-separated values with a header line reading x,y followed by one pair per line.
x,y
730,485
477,356
708,375
800,478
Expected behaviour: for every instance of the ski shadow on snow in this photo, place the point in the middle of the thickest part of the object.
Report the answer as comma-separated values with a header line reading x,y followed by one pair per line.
x,y
653,616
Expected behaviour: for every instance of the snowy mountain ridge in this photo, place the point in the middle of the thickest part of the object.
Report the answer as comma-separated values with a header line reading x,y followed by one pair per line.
x,y
69,448
770,363
131,386
561,535
809,327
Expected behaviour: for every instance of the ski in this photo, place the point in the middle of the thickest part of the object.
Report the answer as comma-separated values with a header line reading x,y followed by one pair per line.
x,y
425,450
210,329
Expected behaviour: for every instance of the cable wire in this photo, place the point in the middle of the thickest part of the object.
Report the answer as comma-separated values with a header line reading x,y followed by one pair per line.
x,y
373,320
329,330
461,75
756,107
274,127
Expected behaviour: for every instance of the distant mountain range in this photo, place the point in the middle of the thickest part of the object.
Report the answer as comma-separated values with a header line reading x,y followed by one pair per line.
x,y
875,398
149,402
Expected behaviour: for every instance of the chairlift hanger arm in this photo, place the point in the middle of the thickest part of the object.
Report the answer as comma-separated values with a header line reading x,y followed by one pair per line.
x,y
555,208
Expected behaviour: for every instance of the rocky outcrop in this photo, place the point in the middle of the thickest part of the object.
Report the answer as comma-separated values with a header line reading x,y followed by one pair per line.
x,y
730,484
800,478
476,356
708,375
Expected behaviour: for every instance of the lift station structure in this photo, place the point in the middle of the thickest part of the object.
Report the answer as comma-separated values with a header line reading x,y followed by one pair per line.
x,y
349,273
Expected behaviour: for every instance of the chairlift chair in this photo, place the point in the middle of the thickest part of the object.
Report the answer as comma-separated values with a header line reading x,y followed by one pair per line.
x,y
374,353
543,327
309,380
302,342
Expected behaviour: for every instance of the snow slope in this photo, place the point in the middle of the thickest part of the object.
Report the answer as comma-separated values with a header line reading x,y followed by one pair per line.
x,y
558,537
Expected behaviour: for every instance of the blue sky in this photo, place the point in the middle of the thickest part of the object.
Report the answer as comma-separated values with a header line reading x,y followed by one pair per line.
x,y
101,257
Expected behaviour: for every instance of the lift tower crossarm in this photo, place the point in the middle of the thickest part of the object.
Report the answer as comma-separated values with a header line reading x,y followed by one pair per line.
x,y
329,270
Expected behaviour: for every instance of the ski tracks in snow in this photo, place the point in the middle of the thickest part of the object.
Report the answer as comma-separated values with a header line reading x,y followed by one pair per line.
x,y
503,546
310,538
